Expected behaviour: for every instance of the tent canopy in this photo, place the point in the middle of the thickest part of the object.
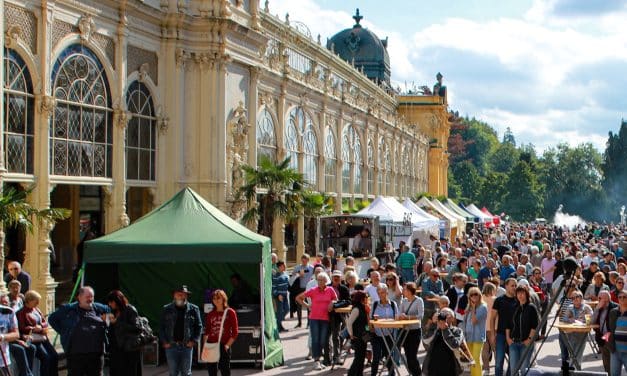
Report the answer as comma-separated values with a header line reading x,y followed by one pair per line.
x,y
425,219
186,229
461,220
495,218
451,205
386,208
472,209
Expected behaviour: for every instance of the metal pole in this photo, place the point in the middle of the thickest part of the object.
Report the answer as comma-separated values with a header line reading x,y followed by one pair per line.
x,y
79,281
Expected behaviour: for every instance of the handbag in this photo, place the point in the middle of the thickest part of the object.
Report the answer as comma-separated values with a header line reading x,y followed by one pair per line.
x,y
38,337
211,351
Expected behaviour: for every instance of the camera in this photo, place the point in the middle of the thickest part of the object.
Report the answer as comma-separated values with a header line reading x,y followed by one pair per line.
x,y
442,316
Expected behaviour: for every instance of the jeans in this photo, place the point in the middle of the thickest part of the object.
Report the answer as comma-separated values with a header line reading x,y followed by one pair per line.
x,y
408,275
23,357
319,332
179,359
501,350
412,342
516,352
85,364
357,367
335,324
224,364
282,308
48,359
618,360
379,351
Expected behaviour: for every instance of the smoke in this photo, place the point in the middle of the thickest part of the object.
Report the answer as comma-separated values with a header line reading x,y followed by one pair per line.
x,y
565,219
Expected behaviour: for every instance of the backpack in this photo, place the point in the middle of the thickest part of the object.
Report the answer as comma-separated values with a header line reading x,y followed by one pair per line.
x,y
376,304
141,336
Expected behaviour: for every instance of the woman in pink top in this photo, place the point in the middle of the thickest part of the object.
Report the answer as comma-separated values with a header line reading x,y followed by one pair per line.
x,y
489,294
321,298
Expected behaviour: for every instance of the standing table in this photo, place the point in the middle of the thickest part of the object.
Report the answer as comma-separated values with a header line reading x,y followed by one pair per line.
x,y
401,335
574,328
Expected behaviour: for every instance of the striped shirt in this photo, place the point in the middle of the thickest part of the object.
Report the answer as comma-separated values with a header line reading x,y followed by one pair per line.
x,y
620,334
563,314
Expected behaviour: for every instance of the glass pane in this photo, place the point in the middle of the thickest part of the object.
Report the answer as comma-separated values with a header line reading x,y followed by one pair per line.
x,y
144,164
15,153
132,132
74,122
144,135
87,160
74,159
16,114
100,161
87,126
60,157
131,163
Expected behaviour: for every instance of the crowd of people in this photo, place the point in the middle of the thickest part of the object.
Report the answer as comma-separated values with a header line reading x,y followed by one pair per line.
x,y
483,297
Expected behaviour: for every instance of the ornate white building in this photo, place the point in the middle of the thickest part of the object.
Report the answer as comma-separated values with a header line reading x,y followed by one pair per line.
x,y
112,106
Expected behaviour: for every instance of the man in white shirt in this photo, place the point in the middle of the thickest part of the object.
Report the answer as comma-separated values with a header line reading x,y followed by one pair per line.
x,y
371,289
593,255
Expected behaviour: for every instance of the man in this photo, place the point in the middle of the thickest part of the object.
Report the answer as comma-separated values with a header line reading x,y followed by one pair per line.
x,y
588,275
362,243
8,333
485,274
16,272
280,285
407,265
502,314
618,338
331,255
547,266
181,328
335,319
593,255
375,283
504,247
300,277
506,268
441,337
426,267
16,298
601,318
432,288
608,260
83,329
520,273
537,283
577,312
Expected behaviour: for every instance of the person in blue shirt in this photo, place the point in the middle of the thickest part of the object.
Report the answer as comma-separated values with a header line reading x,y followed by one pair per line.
x,y
431,288
485,274
280,285
506,268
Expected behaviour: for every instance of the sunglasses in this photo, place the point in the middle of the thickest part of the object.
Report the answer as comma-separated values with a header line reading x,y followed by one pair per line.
x,y
475,294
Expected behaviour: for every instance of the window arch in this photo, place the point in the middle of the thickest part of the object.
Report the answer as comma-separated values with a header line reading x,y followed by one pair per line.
x,y
330,163
384,167
352,160
300,137
81,134
141,136
266,137
18,114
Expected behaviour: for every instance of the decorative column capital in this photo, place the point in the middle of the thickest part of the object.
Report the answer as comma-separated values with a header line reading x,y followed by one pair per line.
x,y
164,123
12,35
121,118
86,26
47,103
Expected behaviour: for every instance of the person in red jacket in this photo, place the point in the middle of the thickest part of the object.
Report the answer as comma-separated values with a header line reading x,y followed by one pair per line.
x,y
34,328
213,320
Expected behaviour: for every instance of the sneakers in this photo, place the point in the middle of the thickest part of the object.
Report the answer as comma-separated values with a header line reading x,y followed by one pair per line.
x,y
309,357
318,366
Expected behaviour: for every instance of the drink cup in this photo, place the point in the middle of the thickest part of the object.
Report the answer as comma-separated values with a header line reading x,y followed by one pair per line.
x,y
375,317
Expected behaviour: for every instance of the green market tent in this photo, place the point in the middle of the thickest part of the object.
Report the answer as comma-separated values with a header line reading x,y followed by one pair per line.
x,y
184,241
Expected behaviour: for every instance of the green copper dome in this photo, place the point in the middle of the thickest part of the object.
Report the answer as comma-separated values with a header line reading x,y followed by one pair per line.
x,y
362,47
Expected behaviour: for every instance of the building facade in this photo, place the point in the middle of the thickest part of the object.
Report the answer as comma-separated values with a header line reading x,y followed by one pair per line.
x,y
112,106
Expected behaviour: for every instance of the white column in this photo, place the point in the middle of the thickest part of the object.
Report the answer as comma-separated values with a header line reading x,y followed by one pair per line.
x,y
2,168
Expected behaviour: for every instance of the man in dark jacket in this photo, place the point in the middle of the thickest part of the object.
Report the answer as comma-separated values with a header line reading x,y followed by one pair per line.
x,y
335,319
181,327
82,326
601,317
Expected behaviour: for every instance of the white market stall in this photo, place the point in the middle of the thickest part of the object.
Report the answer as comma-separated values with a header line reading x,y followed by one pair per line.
x,y
424,224
484,218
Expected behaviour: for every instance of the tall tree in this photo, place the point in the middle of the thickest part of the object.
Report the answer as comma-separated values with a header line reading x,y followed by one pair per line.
x,y
468,178
524,198
614,169
508,137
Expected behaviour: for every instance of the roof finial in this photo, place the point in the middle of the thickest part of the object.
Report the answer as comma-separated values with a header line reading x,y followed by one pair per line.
x,y
357,18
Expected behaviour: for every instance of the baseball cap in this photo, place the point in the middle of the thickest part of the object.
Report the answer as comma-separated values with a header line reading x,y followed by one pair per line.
x,y
336,273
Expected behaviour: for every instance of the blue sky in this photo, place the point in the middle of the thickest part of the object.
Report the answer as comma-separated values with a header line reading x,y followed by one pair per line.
x,y
551,70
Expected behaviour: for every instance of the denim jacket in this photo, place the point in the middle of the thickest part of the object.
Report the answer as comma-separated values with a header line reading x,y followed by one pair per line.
x,y
476,332
192,328
66,317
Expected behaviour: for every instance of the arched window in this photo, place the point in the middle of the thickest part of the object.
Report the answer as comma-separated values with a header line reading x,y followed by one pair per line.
x,y
266,137
310,160
300,137
18,115
352,160
384,166
330,162
370,151
387,165
359,164
81,133
141,136
347,163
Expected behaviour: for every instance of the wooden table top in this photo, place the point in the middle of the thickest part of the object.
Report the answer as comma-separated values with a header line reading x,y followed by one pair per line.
x,y
393,324
591,303
575,328
343,309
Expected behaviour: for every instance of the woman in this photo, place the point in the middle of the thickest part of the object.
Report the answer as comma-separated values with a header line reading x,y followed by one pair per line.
x,y
473,272
320,304
395,292
123,361
356,325
489,295
597,285
443,266
520,332
33,327
383,309
221,327
350,277
412,308
620,286
474,326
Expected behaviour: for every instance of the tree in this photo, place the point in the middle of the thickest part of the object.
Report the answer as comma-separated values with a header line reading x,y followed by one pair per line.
x,y
614,169
524,198
467,176
503,158
508,137
16,211
283,188
314,205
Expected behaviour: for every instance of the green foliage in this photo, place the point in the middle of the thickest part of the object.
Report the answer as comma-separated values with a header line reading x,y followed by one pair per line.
x,y
524,198
284,189
16,211
614,167
468,178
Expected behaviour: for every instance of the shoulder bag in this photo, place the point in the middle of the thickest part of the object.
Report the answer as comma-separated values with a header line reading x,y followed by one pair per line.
x,y
211,351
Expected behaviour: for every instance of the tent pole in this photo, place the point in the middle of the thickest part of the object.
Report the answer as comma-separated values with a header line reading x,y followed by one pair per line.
x,y
263,319
79,279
